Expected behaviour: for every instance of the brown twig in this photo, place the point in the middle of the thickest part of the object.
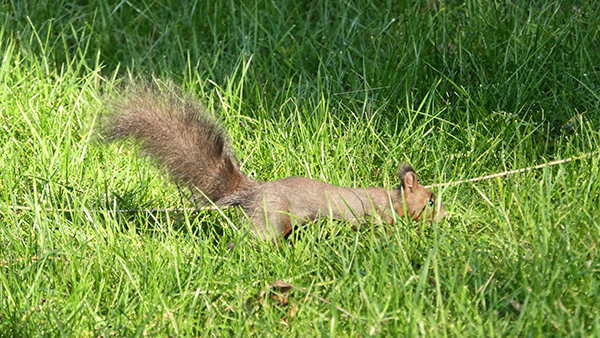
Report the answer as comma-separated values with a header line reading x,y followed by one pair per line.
x,y
210,207
123,211
506,173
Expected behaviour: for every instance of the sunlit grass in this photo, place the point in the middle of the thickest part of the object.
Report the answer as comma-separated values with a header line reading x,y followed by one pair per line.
x,y
341,92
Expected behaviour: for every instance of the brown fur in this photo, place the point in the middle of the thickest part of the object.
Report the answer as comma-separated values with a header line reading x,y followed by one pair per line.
x,y
175,130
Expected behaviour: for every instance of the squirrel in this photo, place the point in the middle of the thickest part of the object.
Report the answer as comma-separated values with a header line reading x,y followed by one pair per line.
x,y
175,130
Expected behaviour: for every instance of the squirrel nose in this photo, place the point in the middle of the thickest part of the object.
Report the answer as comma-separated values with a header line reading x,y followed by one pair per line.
x,y
442,213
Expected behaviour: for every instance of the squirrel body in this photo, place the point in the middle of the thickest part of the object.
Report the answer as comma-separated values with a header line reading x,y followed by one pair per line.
x,y
175,131
276,205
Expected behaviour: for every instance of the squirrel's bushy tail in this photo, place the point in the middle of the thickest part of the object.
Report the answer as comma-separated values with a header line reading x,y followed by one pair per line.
x,y
175,130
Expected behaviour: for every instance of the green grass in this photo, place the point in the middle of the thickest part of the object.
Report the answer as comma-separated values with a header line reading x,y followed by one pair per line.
x,y
338,91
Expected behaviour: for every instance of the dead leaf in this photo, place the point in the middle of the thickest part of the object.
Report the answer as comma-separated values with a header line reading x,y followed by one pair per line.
x,y
516,305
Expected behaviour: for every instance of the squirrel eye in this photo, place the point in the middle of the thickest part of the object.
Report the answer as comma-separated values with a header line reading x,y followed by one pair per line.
x,y
431,202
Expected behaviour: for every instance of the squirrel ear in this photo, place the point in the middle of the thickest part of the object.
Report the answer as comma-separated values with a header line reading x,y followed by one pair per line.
x,y
410,182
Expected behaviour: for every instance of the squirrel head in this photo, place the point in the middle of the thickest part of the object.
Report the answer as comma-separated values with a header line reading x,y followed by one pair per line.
x,y
419,201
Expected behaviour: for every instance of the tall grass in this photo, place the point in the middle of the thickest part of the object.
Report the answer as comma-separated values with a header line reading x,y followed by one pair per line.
x,y
338,91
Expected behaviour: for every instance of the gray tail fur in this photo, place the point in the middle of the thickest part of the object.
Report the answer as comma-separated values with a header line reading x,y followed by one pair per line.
x,y
174,130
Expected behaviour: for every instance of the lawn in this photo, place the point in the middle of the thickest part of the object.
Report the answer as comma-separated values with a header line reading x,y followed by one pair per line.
x,y
339,91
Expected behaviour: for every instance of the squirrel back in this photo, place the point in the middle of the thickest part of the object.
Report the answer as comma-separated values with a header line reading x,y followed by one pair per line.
x,y
175,131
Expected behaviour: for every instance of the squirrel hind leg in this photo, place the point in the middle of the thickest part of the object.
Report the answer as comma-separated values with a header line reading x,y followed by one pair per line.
x,y
274,228
272,225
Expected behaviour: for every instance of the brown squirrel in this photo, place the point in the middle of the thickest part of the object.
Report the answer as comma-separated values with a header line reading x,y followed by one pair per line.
x,y
175,131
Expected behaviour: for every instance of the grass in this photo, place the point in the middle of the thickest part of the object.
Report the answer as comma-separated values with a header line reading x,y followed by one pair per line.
x,y
338,91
